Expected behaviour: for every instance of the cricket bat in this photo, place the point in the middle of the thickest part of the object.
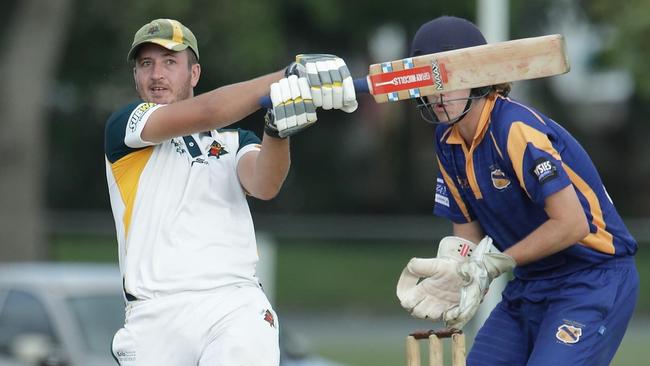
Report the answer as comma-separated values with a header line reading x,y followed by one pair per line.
x,y
466,68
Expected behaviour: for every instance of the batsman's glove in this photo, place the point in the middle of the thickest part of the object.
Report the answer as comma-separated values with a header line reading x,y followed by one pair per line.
x,y
329,80
293,109
486,264
428,287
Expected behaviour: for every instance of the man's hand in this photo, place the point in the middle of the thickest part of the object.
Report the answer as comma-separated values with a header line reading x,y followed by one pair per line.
x,y
293,109
440,288
477,274
329,79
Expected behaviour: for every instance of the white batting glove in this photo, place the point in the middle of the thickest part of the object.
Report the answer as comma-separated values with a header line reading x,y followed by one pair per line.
x,y
293,108
486,264
329,79
439,291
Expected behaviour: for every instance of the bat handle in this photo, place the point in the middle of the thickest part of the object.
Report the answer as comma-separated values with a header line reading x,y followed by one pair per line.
x,y
360,86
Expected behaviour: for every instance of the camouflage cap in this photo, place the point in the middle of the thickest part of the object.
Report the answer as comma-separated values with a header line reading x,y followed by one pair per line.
x,y
167,33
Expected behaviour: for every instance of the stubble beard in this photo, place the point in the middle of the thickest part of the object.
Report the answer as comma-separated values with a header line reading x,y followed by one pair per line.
x,y
184,92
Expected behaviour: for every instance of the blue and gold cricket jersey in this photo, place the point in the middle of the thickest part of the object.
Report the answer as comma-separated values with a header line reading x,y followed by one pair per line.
x,y
518,158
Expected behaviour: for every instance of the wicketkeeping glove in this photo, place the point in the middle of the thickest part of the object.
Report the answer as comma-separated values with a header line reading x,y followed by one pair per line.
x,y
293,109
477,274
329,79
440,289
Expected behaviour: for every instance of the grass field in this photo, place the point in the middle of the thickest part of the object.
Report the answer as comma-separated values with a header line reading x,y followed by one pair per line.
x,y
338,299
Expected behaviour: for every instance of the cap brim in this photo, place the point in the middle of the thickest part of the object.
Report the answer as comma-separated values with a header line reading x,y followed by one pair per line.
x,y
170,45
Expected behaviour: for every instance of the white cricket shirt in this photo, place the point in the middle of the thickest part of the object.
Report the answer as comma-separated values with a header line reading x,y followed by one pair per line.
x,y
181,215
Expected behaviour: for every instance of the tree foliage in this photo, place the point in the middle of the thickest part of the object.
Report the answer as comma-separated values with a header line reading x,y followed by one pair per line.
x,y
379,159
628,46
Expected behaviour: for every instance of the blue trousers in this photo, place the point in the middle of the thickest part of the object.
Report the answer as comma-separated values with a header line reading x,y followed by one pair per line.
x,y
578,319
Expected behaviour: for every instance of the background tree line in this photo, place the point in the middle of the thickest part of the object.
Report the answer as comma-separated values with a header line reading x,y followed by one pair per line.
x,y
65,72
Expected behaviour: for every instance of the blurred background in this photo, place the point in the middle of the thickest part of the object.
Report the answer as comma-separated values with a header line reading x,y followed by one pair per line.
x,y
357,203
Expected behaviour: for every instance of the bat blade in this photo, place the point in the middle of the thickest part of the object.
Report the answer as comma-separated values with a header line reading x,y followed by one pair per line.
x,y
473,67
466,68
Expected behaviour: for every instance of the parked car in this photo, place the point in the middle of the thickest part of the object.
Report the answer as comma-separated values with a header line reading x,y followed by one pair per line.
x,y
59,314
65,314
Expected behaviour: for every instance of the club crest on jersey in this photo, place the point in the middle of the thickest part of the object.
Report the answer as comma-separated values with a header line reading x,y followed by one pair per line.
x,y
568,334
544,170
216,149
268,317
499,179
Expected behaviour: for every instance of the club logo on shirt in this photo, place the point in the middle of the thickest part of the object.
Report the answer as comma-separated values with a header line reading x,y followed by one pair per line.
x,y
441,193
216,149
178,146
137,114
499,179
125,356
568,333
544,170
268,317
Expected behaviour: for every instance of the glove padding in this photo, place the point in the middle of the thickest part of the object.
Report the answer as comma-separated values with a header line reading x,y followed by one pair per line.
x,y
293,109
477,274
329,79
440,289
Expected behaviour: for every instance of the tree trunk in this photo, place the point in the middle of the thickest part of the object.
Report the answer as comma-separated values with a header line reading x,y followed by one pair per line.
x,y
34,40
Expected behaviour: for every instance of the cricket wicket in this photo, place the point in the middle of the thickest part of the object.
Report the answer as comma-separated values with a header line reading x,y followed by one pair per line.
x,y
435,347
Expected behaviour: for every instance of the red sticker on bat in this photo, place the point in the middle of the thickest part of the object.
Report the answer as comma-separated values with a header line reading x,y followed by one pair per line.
x,y
417,77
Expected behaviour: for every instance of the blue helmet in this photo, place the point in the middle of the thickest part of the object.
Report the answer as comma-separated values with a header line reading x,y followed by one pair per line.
x,y
441,34
446,33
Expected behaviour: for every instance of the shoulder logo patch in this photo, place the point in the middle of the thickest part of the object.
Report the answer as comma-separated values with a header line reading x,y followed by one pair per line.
x,y
137,114
441,193
544,170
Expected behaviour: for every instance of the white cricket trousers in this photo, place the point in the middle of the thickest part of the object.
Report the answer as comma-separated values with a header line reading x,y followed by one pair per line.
x,y
229,327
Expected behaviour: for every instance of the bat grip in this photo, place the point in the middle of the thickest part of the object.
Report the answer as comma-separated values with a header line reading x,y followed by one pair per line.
x,y
360,86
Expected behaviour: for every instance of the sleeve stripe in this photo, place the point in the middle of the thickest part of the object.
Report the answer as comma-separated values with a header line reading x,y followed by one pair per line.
x,y
601,240
454,192
519,136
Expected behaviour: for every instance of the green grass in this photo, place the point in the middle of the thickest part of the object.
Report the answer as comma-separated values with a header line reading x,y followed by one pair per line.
x,y
349,275
366,352
322,277
359,275
83,248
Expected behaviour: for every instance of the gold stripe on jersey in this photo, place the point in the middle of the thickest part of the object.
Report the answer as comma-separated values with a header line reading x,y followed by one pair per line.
x,y
496,146
177,35
454,191
601,240
519,135
126,172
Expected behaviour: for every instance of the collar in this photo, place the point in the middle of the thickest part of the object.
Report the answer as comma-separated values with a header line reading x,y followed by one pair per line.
x,y
484,120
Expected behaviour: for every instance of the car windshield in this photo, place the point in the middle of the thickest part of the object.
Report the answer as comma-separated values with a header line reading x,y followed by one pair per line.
x,y
99,317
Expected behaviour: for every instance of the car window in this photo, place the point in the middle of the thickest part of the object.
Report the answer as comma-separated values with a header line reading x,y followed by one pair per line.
x,y
22,314
99,317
